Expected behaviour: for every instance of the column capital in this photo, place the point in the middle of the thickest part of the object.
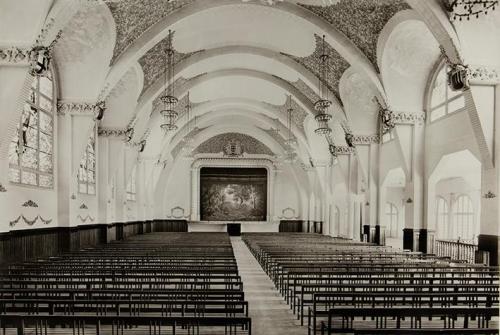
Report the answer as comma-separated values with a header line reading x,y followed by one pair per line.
x,y
95,110
366,139
121,133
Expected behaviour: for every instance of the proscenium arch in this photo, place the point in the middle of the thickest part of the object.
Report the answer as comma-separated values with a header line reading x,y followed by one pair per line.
x,y
346,48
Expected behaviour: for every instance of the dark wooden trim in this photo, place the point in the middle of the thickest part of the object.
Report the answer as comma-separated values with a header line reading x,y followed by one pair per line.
x,y
489,243
408,239
291,226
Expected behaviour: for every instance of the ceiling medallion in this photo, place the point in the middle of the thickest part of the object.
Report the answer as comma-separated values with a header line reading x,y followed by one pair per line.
x,y
460,9
168,98
322,106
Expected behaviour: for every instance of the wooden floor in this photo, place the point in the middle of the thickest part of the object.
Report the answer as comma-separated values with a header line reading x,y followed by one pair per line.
x,y
269,313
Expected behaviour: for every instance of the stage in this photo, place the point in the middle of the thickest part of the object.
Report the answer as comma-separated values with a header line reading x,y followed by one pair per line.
x,y
221,226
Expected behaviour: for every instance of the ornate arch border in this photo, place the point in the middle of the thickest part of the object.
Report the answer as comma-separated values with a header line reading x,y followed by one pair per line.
x,y
201,162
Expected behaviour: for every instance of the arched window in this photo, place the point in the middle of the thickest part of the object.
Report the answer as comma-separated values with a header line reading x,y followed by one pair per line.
x,y
131,191
463,218
391,213
87,171
31,152
442,214
443,100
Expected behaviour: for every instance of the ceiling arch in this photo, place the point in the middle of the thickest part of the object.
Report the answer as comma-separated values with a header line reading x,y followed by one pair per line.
x,y
282,85
159,30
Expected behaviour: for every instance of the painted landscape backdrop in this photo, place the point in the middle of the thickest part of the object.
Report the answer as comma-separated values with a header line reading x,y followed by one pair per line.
x,y
233,194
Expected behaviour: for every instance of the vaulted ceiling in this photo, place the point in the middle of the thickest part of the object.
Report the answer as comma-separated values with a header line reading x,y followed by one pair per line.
x,y
238,60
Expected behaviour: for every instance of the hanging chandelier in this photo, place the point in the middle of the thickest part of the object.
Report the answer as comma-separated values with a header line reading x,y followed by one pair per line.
x,y
290,142
322,106
460,9
168,98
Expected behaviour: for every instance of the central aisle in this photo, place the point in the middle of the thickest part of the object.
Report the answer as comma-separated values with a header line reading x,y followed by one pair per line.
x,y
269,312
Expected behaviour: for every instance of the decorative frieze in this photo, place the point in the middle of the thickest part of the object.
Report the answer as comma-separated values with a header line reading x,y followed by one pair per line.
x,y
81,108
28,221
481,73
408,117
15,55
125,134
343,150
111,132
365,139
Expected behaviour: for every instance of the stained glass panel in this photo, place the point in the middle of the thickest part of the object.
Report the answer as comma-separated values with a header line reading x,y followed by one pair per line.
x,y
45,143
45,104
46,181
32,138
45,162
13,156
28,178
46,123
14,175
30,151
46,86
29,159
86,174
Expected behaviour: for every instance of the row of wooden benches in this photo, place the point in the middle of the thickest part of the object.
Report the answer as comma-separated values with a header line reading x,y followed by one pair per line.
x,y
162,283
327,281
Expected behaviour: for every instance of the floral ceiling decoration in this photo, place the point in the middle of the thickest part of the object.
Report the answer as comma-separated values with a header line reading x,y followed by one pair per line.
x,y
150,60
360,20
337,65
249,145
134,17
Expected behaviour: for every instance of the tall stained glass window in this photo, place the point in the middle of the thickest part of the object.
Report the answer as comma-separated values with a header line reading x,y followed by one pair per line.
x,y
87,171
31,151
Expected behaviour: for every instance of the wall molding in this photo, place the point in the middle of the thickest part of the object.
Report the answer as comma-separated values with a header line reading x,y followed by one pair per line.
x,y
28,221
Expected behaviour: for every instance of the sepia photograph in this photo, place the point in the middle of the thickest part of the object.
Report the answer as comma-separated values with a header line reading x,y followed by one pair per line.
x,y
249,167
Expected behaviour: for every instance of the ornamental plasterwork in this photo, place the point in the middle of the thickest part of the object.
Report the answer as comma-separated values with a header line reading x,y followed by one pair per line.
x,y
344,150
408,117
151,60
366,139
361,20
298,114
80,108
87,31
483,73
249,144
134,17
111,132
337,64
14,55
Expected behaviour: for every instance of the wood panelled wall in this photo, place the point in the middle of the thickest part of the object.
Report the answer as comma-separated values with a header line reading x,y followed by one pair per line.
x,y
28,244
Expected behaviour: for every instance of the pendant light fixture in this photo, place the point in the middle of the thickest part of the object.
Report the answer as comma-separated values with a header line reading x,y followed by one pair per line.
x,y
322,106
168,98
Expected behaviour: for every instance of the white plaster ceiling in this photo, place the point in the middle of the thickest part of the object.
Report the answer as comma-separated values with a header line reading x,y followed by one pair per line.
x,y
239,24
22,20
241,60
120,104
238,87
358,97
410,53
